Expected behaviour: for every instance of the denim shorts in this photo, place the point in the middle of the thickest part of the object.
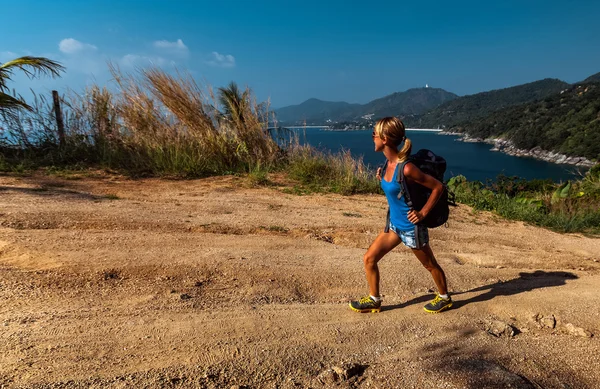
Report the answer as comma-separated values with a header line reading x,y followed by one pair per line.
x,y
416,238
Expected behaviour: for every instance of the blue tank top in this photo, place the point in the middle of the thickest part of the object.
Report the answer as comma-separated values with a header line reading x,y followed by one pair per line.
x,y
398,208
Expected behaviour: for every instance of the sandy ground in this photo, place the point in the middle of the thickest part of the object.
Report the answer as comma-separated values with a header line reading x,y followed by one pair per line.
x,y
110,282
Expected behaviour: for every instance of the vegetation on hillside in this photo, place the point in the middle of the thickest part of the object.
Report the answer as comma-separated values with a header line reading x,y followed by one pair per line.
x,y
567,122
414,101
473,107
315,111
572,206
592,78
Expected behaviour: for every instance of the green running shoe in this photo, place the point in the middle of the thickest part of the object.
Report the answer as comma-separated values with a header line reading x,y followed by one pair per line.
x,y
366,305
438,304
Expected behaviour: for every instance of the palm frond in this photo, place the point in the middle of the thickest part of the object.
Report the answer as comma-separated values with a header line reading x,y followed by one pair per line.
x,y
31,66
11,106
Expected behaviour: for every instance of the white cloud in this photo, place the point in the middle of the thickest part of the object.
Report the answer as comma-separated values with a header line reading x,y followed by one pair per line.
x,y
71,46
177,45
129,60
134,60
221,60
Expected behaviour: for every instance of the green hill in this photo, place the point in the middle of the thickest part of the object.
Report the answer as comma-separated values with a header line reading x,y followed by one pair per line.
x,y
567,122
593,78
315,111
473,107
411,102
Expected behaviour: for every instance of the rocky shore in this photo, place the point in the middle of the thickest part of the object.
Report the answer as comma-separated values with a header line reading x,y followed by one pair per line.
x,y
507,147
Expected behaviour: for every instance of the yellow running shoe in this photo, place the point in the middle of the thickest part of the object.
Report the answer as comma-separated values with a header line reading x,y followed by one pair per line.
x,y
366,305
438,304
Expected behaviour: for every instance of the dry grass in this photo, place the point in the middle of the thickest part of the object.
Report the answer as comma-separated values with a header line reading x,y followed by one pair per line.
x,y
158,124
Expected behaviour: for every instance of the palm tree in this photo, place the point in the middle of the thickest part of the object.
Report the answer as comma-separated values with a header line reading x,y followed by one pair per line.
x,y
235,104
249,121
32,67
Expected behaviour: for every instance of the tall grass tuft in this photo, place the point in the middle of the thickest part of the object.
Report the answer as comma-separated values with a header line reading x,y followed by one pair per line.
x,y
324,172
156,124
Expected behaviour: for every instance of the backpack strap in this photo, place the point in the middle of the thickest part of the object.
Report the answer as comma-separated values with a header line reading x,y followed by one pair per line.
x,y
451,197
404,185
404,191
386,229
387,218
384,168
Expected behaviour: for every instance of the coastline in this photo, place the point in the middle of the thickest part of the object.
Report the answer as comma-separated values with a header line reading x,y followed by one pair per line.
x,y
507,147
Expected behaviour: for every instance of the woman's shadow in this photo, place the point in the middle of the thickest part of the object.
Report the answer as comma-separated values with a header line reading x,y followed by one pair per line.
x,y
524,283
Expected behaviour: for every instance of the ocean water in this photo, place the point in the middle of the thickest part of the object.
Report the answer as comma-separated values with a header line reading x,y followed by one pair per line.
x,y
473,160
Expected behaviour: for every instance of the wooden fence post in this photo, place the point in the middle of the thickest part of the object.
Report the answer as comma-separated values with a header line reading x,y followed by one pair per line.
x,y
59,119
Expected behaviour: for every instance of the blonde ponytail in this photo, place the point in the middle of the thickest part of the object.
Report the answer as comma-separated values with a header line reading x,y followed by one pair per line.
x,y
404,153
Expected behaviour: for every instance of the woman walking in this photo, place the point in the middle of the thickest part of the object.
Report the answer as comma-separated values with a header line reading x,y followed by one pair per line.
x,y
403,223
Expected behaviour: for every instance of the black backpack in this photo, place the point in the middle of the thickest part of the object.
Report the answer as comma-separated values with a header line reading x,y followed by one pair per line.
x,y
416,196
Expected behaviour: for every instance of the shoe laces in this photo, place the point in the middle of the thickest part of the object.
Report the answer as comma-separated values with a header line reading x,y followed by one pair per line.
x,y
366,300
436,300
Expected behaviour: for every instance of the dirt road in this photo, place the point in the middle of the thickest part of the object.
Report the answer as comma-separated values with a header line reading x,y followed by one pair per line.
x,y
110,282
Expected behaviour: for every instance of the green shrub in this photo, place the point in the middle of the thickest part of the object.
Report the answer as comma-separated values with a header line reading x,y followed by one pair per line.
x,y
259,177
566,207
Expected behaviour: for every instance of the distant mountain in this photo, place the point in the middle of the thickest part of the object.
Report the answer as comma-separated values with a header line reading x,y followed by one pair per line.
x,y
468,108
315,111
567,122
411,102
593,78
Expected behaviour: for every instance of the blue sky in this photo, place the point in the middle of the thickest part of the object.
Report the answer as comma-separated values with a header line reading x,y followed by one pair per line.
x,y
289,51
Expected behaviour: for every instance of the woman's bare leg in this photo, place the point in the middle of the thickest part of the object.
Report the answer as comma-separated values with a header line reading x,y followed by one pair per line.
x,y
383,244
425,255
